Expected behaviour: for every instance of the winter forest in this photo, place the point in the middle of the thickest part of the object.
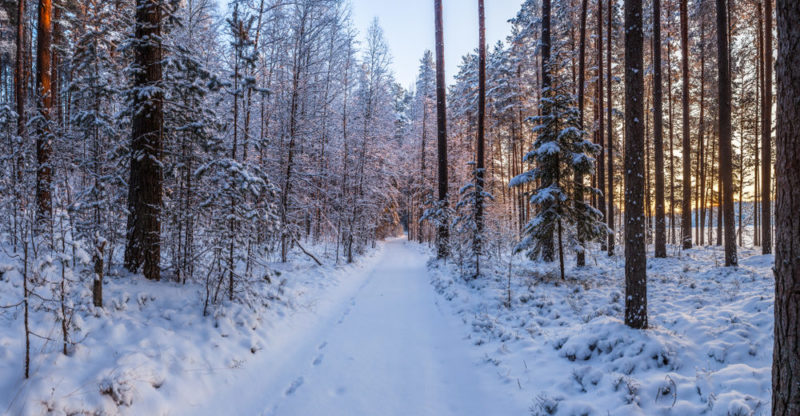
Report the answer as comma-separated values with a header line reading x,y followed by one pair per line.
x,y
235,207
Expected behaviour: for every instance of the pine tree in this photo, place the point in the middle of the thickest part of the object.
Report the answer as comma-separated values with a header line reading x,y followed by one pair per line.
x,y
561,151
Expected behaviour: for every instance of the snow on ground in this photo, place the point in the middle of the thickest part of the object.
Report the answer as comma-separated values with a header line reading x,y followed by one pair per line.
x,y
565,349
389,351
376,338
150,351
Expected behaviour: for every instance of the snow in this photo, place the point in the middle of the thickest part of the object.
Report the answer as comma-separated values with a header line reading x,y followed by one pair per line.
x,y
389,350
397,335
151,351
364,339
708,351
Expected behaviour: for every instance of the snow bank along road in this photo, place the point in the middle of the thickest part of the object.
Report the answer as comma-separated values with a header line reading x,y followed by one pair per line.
x,y
384,348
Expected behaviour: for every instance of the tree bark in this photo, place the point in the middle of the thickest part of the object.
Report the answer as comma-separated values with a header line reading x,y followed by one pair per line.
x,y
44,105
609,148
786,361
658,127
725,128
143,248
686,200
759,111
581,256
601,174
97,283
443,232
19,71
671,145
635,260
701,137
766,134
479,171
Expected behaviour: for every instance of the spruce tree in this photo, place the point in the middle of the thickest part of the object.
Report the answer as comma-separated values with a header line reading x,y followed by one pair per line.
x,y
560,152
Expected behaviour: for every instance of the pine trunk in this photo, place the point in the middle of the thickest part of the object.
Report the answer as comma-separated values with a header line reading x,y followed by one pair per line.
x,y
658,127
766,134
609,148
786,362
443,232
635,260
143,247
579,197
601,174
725,129
671,146
479,171
44,105
686,200
19,71
701,139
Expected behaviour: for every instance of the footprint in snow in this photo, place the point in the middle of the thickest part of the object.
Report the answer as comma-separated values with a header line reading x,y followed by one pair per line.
x,y
295,385
318,360
323,345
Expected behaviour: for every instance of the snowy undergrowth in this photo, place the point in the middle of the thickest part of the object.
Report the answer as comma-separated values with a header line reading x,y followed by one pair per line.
x,y
563,346
151,351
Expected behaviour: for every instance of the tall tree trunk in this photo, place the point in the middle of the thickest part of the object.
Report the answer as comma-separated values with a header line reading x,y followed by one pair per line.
x,y
443,233
581,256
19,71
785,361
601,174
422,184
143,247
635,260
766,134
711,195
19,96
56,42
742,130
548,250
44,105
701,138
686,200
609,125
759,111
671,146
648,212
658,127
479,172
725,128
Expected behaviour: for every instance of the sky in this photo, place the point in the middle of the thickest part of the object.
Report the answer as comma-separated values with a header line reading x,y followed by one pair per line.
x,y
408,27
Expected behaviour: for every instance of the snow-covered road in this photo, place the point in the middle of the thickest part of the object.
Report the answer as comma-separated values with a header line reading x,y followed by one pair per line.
x,y
385,348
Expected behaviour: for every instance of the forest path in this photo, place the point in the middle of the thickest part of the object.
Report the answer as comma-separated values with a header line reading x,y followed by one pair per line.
x,y
383,347
391,351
